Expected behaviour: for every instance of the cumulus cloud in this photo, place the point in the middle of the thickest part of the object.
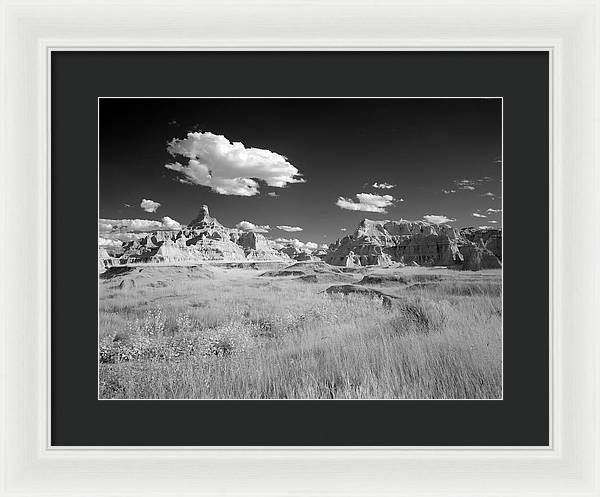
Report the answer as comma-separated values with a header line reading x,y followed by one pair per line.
x,y
290,228
476,214
123,237
494,210
149,205
448,191
108,242
383,186
248,226
136,225
367,202
170,224
294,242
230,168
438,219
273,194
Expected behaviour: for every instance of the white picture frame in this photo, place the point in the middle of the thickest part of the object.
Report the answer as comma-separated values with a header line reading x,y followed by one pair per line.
x,y
569,30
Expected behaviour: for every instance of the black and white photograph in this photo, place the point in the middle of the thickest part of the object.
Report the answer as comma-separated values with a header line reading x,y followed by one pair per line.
x,y
300,248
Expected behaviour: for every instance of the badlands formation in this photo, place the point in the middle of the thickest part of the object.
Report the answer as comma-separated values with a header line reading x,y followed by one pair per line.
x,y
374,243
417,243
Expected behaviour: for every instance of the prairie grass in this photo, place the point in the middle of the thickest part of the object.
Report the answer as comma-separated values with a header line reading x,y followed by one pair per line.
x,y
240,336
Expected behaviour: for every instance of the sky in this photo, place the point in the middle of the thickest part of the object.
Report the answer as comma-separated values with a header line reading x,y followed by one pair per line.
x,y
309,169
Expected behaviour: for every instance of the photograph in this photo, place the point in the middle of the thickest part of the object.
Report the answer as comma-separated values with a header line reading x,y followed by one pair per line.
x,y
300,248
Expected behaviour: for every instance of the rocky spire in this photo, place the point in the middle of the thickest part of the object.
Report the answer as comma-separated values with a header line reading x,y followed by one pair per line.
x,y
204,219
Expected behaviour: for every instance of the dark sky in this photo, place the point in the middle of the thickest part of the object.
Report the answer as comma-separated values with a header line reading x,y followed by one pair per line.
x,y
340,147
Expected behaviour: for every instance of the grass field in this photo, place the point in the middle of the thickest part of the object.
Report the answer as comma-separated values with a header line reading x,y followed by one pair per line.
x,y
212,332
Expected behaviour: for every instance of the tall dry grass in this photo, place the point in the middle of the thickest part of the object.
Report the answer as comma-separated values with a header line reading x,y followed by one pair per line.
x,y
239,336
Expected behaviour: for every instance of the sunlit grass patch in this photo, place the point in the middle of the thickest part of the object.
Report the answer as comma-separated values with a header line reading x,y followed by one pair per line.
x,y
291,340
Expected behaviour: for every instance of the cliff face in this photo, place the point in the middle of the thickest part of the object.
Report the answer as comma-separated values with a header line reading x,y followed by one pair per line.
x,y
490,239
416,242
204,239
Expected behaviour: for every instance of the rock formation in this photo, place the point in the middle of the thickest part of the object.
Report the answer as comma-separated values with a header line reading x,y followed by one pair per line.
x,y
383,243
204,239
489,238
417,243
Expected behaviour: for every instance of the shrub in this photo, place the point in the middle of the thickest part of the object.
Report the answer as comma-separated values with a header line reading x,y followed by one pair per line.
x,y
420,316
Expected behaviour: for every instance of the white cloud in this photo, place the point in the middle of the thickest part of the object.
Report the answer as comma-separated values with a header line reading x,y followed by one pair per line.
x,y
494,210
343,229
123,237
470,184
466,184
171,224
230,168
449,191
476,214
488,194
383,186
290,228
108,242
367,202
438,219
149,205
485,227
324,246
248,226
310,246
493,222
136,225
273,194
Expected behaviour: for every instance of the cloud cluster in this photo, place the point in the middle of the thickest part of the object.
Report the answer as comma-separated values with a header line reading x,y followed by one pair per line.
x,y
118,237
149,205
383,186
170,224
294,242
465,184
230,168
108,242
367,202
251,227
471,184
438,219
136,225
290,228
